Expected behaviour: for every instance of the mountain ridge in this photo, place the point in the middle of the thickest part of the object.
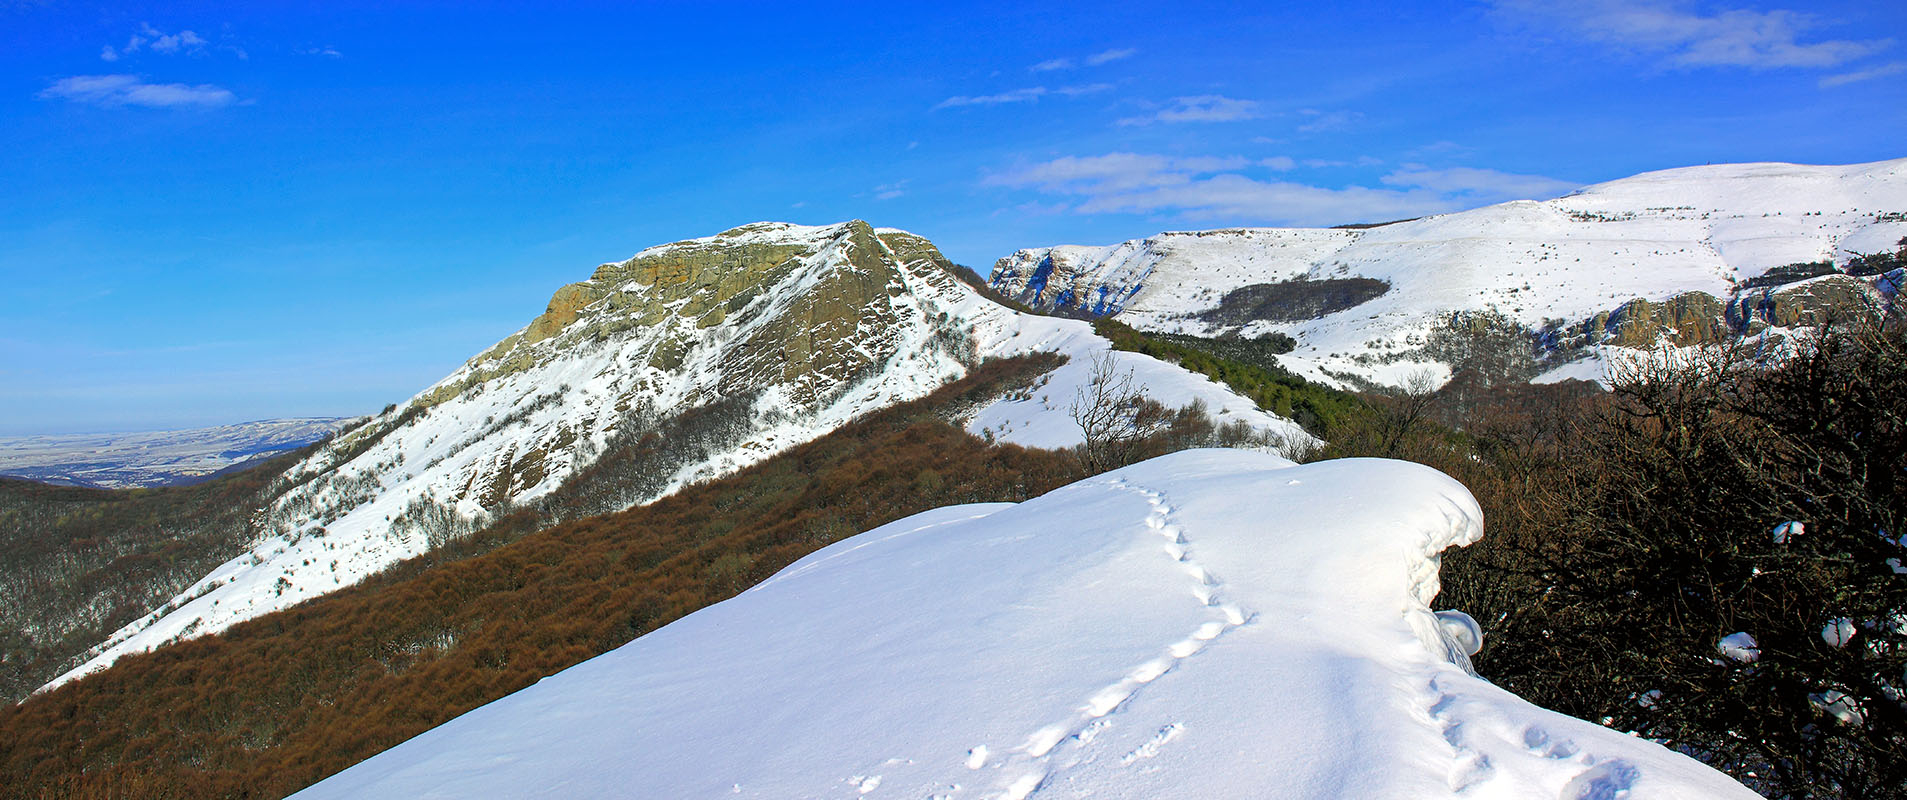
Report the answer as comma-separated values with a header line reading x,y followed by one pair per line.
x,y
766,336
1550,265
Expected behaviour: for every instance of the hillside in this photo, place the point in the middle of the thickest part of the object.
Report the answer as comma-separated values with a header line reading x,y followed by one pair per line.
x,y
78,563
276,703
156,458
1710,252
1207,624
736,346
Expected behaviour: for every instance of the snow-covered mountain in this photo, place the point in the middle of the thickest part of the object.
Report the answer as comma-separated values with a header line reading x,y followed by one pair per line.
x,y
747,343
1710,251
155,458
1210,624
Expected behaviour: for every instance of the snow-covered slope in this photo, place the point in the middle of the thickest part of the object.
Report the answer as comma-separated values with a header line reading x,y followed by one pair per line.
x,y
1653,236
778,333
155,458
1209,624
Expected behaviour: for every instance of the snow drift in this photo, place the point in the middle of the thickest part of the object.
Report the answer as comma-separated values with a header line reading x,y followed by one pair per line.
x,y
1209,624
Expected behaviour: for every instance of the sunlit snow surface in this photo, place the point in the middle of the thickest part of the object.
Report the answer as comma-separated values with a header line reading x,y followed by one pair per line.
x,y
1210,624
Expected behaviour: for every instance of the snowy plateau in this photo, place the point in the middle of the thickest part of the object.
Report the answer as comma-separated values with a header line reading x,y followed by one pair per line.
x,y
155,458
1208,624
1551,264
803,328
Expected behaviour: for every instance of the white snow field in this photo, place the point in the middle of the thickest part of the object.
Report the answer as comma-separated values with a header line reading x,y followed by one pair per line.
x,y
1649,236
1210,624
346,521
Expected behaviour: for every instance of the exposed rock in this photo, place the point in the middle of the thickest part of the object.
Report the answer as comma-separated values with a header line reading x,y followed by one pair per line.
x,y
1698,318
1805,304
1686,319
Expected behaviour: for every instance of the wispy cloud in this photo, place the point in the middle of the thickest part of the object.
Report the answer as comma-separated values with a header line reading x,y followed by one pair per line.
x,y
1094,60
1202,108
113,91
1222,188
889,191
1857,76
1484,184
1112,172
157,41
1089,88
1028,95
1682,36
328,52
1318,121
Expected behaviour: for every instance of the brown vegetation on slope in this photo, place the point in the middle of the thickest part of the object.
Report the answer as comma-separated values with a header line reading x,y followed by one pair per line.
x,y
280,702
77,564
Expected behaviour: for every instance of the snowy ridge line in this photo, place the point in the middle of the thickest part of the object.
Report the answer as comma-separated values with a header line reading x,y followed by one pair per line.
x,y
986,653
1653,236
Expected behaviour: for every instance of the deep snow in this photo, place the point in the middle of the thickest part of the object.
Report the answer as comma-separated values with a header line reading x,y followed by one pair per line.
x,y
1209,624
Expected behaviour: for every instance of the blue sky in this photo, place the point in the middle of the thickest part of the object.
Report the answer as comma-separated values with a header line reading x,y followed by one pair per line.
x,y
212,213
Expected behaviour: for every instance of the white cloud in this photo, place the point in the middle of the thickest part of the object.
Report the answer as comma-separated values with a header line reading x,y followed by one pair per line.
x,y
1202,108
889,191
1684,36
1113,172
1881,71
177,42
1027,95
1486,184
150,38
1094,60
328,52
111,91
1075,91
1317,121
1217,188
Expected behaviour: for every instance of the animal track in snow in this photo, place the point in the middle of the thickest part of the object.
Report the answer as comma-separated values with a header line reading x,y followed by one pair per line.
x,y
1089,720
1607,779
1151,747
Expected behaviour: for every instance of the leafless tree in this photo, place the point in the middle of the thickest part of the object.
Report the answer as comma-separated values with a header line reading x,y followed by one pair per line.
x,y
1116,416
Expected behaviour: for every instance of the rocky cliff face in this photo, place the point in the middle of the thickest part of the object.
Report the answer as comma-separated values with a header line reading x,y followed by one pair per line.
x,y
1699,318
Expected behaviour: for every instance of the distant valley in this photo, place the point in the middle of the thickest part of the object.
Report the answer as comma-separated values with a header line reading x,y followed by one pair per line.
x,y
149,459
